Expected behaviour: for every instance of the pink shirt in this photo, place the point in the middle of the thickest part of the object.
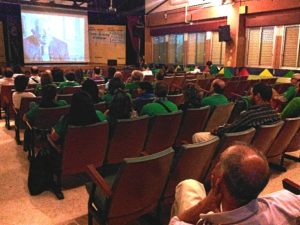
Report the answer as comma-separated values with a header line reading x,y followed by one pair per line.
x,y
278,208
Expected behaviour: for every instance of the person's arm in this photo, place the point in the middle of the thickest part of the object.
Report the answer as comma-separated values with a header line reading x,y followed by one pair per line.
x,y
291,109
210,203
54,136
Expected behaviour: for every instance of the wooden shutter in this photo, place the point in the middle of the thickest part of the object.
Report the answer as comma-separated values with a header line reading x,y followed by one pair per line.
x,y
200,48
191,54
253,39
179,49
155,42
163,49
291,43
216,49
171,48
266,52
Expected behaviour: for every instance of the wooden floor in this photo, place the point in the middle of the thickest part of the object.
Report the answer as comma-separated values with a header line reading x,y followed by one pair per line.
x,y
17,207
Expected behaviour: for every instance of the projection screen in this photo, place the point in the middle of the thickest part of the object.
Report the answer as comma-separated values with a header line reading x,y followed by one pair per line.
x,y
54,36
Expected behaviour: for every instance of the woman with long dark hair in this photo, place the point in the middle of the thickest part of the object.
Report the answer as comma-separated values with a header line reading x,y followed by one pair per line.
x,y
91,88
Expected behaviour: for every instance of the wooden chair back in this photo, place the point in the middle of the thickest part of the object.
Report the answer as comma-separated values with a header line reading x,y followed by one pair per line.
x,y
176,99
65,97
265,136
101,106
148,78
138,187
47,117
71,89
192,162
84,145
219,116
128,139
193,121
295,143
286,134
162,132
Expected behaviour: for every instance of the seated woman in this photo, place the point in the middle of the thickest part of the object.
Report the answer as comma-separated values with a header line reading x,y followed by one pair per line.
x,y
113,86
192,97
120,108
82,113
46,78
21,83
48,100
91,88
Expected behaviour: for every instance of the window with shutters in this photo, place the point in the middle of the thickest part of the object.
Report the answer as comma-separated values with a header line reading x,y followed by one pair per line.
x,y
260,44
159,49
217,50
196,48
175,49
291,45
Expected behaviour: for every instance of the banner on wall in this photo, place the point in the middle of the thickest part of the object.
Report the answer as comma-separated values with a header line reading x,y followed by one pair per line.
x,y
2,46
107,42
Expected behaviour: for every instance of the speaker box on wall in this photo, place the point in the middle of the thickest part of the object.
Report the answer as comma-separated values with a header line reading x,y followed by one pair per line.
x,y
112,62
224,33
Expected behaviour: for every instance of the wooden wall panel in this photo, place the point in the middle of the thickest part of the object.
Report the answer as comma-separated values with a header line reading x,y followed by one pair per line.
x,y
2,45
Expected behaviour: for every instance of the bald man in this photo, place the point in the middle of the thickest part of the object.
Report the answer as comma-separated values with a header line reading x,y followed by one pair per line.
x,y
237,179
217,97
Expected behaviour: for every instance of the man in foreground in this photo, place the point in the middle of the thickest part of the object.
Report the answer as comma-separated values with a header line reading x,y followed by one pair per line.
x,y
236,181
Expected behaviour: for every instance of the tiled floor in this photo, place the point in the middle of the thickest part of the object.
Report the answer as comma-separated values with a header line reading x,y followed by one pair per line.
x,y
17,207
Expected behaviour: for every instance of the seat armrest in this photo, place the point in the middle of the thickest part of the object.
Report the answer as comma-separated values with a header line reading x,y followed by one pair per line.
x,y
55,146
98,179
28,125
291,186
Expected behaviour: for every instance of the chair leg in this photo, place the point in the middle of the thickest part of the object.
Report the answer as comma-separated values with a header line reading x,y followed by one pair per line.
x,y
296,159
17,130
90,218
280,168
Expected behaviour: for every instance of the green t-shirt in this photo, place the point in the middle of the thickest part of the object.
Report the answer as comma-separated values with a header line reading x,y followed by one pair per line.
x,y
32,113
107,98
62,125
213,69
64,84
216,99
290,93
153,109
132,86
292,109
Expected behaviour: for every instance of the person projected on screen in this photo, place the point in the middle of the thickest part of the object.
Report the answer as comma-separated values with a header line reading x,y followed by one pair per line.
x,y
42,46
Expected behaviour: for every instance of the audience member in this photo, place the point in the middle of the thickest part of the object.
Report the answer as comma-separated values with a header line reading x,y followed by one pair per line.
x,y
21,83
292,109
162,104
145,95
292,90
236,181
97,74
217,97
133,81
192,97
46,78
114,85
79,76
70,80
82,113
259,114
213,69
34,78
7,77
91,88
57,74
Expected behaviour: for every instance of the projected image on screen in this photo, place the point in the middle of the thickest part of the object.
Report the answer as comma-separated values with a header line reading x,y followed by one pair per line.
x,y
54,38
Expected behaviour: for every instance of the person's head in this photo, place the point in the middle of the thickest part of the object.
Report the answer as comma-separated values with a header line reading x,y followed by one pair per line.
x,y
295,79
192,96
160,75
79,75
48,93
243,172
97,70
217,86
119,74
57,74
209,63
261,93
145,87
34,70
82,111
114,85
8,72
91,88
17,69
136,75
170,69
46,78
121,106
111,72
21,83
70,75
161,90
